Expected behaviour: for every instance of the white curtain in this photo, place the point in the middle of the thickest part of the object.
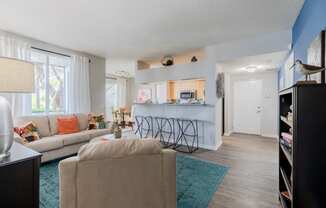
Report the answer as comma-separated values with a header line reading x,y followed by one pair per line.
x,y
21,104
78,95
122,92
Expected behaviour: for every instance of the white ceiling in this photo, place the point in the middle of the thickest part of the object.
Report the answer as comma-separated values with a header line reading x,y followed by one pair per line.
x,y
144,28
267,62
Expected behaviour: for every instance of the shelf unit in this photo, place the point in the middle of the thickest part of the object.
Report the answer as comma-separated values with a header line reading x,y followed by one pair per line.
x,y
302,168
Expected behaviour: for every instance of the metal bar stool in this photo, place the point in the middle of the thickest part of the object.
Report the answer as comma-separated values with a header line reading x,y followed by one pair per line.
x,y
139,123
187,139
164,131
144,126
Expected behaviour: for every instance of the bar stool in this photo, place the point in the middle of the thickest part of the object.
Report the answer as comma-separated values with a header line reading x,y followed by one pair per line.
x,y
138,121
187,135
164,131
144,126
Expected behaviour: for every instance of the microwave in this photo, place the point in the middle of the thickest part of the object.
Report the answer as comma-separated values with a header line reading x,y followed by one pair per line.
x,y
188,95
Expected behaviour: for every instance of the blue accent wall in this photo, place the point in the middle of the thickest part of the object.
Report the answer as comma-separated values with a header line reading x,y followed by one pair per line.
x,y
311,20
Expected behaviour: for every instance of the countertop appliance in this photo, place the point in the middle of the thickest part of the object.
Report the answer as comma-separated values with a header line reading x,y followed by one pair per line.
x,y
188,96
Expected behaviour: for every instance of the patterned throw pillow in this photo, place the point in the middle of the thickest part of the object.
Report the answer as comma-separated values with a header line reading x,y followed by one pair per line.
x,y
96,122
28,132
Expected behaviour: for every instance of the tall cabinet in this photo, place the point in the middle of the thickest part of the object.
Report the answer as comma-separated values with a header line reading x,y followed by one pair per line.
x,y
302,146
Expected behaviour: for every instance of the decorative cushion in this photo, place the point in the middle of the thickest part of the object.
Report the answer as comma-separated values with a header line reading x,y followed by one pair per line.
x,y
53,124
96,122
67,125
82,120
28,132
42,123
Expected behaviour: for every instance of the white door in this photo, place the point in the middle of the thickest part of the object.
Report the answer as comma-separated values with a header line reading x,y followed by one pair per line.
x,y
247,98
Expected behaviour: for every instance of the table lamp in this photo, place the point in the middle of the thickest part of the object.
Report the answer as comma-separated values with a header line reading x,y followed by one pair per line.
x,y
16,76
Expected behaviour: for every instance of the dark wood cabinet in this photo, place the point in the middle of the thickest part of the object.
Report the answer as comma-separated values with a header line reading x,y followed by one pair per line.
x,y
19,178
302,166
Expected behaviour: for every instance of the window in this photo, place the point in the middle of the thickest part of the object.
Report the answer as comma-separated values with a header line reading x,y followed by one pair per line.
x,y
50,83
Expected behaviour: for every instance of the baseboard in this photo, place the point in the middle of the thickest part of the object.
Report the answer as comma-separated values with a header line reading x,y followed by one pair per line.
x,y
270,136
210,147
227,133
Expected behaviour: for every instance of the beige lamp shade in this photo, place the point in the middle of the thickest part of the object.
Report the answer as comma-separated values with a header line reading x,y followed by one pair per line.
x,y
16,76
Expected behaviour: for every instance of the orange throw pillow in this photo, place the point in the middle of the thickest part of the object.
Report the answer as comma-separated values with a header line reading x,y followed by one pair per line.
x,y
67,125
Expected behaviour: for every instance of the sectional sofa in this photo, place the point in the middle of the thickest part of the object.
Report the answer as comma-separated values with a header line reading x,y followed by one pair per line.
x,y
51,144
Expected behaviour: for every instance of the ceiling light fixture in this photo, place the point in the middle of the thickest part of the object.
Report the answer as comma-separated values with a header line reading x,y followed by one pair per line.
x,y
123,74
252,68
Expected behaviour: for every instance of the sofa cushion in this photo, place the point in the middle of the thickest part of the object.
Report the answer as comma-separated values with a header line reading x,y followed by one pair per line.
x,y
99,132
41,122
46,144
75,138
82,122
119,148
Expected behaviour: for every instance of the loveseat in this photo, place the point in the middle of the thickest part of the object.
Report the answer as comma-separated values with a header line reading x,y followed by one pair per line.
x,y
51,144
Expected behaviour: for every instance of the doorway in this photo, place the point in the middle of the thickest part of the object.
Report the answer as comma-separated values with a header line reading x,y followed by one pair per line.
x,y
247,104
111,97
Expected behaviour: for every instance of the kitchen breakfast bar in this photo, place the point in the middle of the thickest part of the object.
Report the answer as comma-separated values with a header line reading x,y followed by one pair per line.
x,y
183,127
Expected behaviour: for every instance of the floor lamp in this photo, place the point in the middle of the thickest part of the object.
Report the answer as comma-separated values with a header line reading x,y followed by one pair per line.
x,y
16,76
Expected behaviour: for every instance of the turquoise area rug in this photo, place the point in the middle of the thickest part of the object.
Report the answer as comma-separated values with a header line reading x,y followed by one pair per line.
x,y
197,181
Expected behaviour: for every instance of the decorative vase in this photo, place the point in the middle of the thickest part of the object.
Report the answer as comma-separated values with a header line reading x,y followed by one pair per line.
x,y
167,61
6,128
116,130
194,59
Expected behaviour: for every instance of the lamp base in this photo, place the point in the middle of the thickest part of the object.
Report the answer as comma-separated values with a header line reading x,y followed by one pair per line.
x,y
6,128
4,156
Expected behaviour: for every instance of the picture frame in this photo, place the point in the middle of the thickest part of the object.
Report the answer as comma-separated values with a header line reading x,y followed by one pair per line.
x,y
288,79
316,56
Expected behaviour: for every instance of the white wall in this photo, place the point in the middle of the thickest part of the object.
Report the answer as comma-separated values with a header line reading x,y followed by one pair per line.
x,y
116,64
97,84
269,116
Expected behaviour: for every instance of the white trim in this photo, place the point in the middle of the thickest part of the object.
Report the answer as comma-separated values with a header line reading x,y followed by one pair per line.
x,y
210,147
270,136
227,133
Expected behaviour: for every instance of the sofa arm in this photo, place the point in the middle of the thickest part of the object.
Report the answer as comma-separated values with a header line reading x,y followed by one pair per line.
x,y
67,182
169,176
18,138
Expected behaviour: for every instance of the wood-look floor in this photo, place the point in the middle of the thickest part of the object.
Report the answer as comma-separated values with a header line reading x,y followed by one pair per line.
x,y
252,180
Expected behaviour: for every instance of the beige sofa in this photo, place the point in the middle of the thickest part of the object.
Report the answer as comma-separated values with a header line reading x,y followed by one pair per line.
x,y
119,174
52,145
